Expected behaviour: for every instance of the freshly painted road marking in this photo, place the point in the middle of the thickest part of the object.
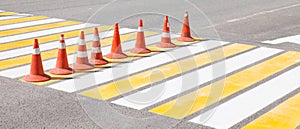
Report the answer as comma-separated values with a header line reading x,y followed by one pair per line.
x,y
49,54
246,104
39,27
14,16
48,64
197,100
176,85
139,80
30,23
49,45
286,115
37,34
23,19
291,39
50,38
2,14
105,74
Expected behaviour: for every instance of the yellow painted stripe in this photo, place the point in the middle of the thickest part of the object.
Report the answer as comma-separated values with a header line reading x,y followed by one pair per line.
x,y
36,28
7,13
197,100
105,42
139,80
22,60
285,116
23,19
49,38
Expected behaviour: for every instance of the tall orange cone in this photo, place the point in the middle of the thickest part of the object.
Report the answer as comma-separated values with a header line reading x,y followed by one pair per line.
x,y
165,37
62,65
96,54
82,61
140,45
186,33
36,72
116,48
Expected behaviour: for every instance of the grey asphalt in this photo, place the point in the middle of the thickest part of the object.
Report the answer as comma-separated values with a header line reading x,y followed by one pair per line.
x,y
244,21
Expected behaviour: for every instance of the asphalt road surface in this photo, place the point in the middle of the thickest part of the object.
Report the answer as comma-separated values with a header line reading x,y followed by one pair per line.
x,y
242,21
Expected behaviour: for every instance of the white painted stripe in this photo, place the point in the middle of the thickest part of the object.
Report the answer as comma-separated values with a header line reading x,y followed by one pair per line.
x,y
291,39
81,54
49,45
81,42
96,50
96,38
2,11
36,51
178,85
140,29
244,105
164,34
48,64
61,45
31,23
14,16
43,32
105,75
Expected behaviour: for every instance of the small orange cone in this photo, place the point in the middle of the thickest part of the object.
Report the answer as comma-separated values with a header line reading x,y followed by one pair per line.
x,y
140,45
82,61
166,38
96,54
116,48
186,33
36,72
62,65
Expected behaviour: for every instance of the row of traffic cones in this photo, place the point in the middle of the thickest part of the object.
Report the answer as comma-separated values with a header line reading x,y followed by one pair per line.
x,y
83,63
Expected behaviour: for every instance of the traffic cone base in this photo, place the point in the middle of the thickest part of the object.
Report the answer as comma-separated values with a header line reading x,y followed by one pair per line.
x,y
140,50
61,71
186,39
116,55
37,78
99,62
166,45
78,66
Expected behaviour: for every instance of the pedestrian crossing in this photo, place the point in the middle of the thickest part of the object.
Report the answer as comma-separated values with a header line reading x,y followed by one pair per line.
x,y
214,83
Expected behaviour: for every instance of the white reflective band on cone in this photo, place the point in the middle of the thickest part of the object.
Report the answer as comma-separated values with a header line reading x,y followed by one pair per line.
x,y
81,54
81,42
96,50
139,29
96,38
164,34
61,46
36,51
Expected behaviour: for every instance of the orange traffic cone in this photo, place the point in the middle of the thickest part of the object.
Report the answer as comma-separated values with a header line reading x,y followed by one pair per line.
x,y
140,45
166,38
36,72
116,48
96,54
186,33
82,61
62,65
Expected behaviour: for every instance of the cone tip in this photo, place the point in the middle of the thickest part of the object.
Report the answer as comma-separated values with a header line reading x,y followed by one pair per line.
x,y
96,30
82,34
36,43
62,35
141,23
